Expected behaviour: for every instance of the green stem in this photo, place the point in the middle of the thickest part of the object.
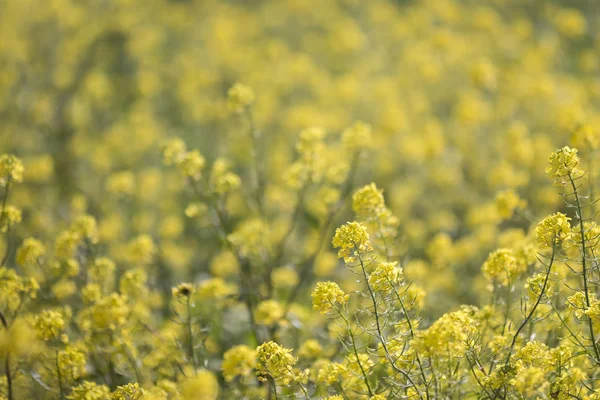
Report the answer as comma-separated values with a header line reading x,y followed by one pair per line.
x,y
7,362
191,335
59,376
539,299
380,335
584,265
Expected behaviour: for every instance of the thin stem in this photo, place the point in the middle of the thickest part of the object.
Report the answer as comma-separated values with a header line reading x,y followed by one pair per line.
x,y
507,311
4,201
59,376
378,325
221,230
539,299
254,136
362,370
7,362
307,263
584,265
567,326
191,335
355,351
412,335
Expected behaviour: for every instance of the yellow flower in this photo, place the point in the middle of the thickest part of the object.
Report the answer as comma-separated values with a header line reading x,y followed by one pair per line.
x,y
507,202
140,250
535,285
64,288
285,278
11,169
368,201
447,337
89,391
86,227
217,290
310,143
222,180
121,183
197,209
66,244
239,97
385,276
19,339
553,229
173,150
50,325
131,391
502,266
585,136
352,239
276,362
71,363
331,373
183,291
563,166
191,164
201,386
311,348
268,312
251,238
357,137
30,251
326,295
9,217
224,264
238,361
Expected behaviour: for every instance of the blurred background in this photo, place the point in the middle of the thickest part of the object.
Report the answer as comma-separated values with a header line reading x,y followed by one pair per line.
x,y
466,99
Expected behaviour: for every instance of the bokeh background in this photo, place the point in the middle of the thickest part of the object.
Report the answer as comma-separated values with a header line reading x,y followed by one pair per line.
x,y
466,99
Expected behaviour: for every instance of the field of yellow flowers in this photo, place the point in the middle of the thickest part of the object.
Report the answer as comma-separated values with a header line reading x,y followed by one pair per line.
x,y
294,199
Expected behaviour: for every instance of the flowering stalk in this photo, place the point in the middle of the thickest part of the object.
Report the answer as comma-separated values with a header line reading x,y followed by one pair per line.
x,y
355,352
537,302
7,361
59,377
191,333
584,264
221,230
4,200
380,334
307,263
254,136
412,335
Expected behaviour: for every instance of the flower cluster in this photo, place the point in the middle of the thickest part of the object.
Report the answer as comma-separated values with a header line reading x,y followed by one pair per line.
x,y
352,240
327,295
563,166
553,230
275,362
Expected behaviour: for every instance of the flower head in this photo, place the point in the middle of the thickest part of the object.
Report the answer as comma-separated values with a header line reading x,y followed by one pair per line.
x,y
352,239
326,294
357,137
553,230
9,217
385,276
11,169
268,312
238,361
502,266
563,166
239,97
276,362
183,291
368,201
